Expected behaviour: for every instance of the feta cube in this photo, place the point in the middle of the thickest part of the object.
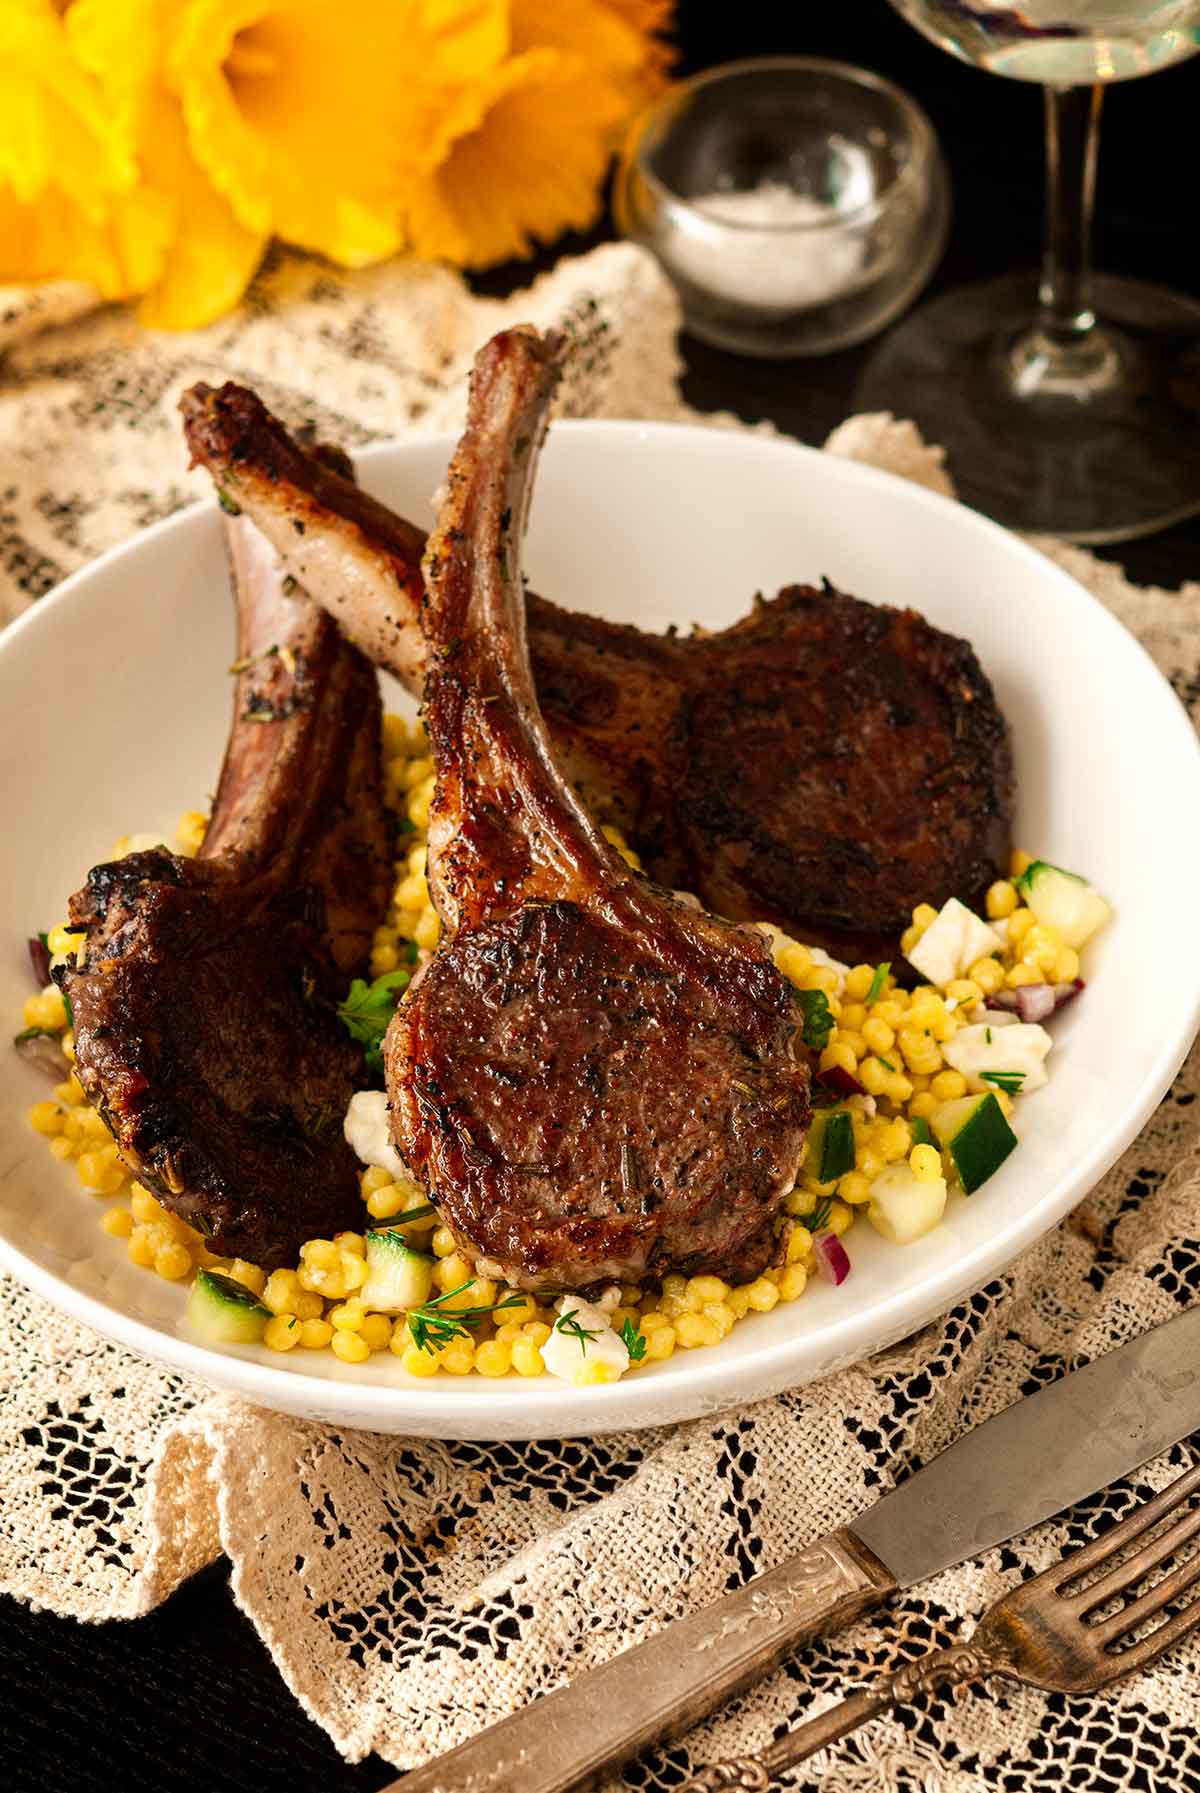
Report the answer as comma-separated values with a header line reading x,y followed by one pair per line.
x,y
952,942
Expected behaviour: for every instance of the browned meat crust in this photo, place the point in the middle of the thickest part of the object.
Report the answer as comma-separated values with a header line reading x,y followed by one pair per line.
x,y
825,763
204,1018
592,1080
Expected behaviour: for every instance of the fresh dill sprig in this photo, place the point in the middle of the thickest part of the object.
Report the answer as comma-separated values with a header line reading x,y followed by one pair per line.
x,y
432,1324
1009,1081
570,1324
633,1340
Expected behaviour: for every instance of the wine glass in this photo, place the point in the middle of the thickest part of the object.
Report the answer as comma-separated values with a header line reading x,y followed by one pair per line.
x,y
1071,405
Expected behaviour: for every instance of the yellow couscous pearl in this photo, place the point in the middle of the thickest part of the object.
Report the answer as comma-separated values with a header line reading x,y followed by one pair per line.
x,y
895,1141
458,1357
412,892
695,1330
988,974
923,1105
909,939
838,1055
508,1332
282,1333
721,1315
354,1242
925,1162
893,1009
841,1218
858,982
46,1117
418,770
1023,974
527,1358
143,1204
385,1202
923,915
792,1282
46,1009
652,1320
190,830
1066,965
821,977
794,961
354,1271
395,734
707,1288
315,1333
947,1086
878,1035
249,1275
869,1162
538,1330
739,1301
964,990
443,1242
349,1347
1019,924
348,1316
854,1188
118,1222
307,1305
1020,862
280,1292
1041,946
99,1172
384,958
493,1358
320,1254
762,1296
140,1249
853,1016
1001,900
873,1076
428,930
898,1088
376,1329
660,1344
173,1261
450,1272
375,1177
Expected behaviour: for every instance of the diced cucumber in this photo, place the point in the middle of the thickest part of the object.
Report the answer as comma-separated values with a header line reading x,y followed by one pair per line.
x,y
222,1312
975,1133
902,1207
397,1276
830,1145
1064,901
919,1128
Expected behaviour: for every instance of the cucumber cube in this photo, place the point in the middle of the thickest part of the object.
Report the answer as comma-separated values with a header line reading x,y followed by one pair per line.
x,y
977,1136
1064,901
397,1277
222,1312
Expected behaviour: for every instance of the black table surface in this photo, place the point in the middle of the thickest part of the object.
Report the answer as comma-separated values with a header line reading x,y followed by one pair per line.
x,y
188,1698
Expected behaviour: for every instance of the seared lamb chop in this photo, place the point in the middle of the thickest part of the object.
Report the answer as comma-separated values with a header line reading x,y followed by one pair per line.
x,y
205,1030
825,764
592,1079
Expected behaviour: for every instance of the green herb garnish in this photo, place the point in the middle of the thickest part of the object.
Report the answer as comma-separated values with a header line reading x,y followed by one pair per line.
x,y
818,1022
229,505
421,1212
885,1062
878,981
36,1033
431,1325
919,1127
633,1340
987,1034
570,1325
1009,1081
818,1220
367,1010
249,660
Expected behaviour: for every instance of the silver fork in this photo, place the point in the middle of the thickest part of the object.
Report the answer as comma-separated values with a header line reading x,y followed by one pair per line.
x,y
1042,1633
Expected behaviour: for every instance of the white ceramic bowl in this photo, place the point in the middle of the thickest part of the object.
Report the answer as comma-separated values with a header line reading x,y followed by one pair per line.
x,y
114,703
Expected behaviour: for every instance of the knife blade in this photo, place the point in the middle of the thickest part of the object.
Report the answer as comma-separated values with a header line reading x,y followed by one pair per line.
x,y
1028,1462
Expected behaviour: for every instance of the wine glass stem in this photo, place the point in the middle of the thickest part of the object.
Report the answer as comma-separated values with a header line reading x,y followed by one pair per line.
x,y
1072,136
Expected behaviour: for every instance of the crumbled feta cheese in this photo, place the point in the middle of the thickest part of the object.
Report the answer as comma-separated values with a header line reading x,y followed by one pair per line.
x,y
366,1131
565,1354
1019,1049
952,942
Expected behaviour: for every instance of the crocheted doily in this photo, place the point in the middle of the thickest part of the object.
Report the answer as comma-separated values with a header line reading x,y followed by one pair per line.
x,y
411,1592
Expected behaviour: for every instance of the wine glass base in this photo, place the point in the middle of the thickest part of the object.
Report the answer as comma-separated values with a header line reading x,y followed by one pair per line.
x,y
1120,462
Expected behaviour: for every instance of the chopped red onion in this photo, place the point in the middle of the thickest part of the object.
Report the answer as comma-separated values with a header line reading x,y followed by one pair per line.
x,y
839,1082
1035,1002
832,1261
44,1050
39,958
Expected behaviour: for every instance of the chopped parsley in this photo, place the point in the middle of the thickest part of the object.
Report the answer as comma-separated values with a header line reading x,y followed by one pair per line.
x,y
885,1062
818,1022
368,1009
1009,1081
633,1340
987,1034
877,982
569,1324
432,1326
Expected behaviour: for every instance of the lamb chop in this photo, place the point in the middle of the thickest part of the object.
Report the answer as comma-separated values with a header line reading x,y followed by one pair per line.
x,y
592,1079
203,998
825,763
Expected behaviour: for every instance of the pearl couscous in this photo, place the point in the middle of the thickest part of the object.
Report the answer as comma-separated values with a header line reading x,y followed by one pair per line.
x,y
890,1059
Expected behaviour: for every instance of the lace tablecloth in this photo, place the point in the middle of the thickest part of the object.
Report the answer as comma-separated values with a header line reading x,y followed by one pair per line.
x,y
410,1591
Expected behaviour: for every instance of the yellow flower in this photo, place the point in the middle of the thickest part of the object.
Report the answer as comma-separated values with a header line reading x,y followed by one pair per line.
x,y
68,204
207,256
518,153
291,107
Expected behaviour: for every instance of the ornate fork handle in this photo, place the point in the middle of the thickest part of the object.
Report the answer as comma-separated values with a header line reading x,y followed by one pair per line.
x,y
942,1668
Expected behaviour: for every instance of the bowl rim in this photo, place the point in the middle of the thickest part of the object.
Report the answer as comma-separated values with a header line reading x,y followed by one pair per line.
x,y
708,1384
923,147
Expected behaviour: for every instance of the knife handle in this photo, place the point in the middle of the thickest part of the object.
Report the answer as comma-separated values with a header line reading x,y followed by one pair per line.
x,y
570,1739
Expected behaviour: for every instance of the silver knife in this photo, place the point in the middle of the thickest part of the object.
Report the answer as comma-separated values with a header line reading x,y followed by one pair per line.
x,y
1039,1456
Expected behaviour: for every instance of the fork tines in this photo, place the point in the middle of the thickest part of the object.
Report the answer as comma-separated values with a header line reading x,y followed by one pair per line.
x,y
1130,1570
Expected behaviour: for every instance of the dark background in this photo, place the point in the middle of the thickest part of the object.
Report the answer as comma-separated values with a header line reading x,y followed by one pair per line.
x,y
188,1698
